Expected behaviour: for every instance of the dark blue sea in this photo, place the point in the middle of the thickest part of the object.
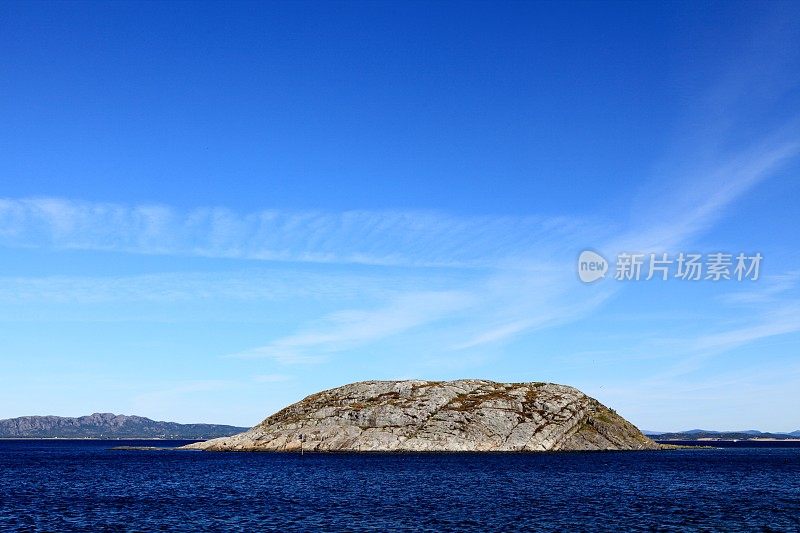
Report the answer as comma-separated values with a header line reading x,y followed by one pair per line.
x,y
86,486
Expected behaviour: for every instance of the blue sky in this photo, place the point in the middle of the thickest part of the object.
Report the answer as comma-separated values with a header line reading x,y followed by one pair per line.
x,y
209,211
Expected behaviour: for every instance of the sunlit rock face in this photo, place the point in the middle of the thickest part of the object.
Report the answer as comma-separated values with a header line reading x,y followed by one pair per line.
x,y
440,416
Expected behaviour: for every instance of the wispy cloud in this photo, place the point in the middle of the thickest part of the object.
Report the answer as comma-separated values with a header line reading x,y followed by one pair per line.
x,y
525,265
771,288
527,279
691,204
754,321
404,238
274,284
781,321
553,298
718,336
351,328
528,262
519,301
730,399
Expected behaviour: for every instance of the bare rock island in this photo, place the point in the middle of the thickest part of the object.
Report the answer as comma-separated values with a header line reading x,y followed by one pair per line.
x,y
440,416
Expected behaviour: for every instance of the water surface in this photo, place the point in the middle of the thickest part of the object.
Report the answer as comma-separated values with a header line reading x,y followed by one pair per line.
x,y
83,485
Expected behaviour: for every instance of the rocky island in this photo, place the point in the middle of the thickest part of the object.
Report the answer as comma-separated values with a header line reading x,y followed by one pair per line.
x,y
440,416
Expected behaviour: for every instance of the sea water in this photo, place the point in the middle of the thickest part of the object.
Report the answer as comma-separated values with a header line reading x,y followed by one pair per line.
x,y
85,485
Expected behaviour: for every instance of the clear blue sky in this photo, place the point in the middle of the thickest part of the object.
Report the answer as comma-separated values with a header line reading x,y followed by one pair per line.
x,y
208,211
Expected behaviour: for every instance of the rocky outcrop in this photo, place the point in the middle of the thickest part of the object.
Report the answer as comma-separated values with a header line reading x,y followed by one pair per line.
x,y
434,416
108,426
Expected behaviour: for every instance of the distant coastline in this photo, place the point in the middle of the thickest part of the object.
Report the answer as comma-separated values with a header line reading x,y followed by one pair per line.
x,y
721,443
164,439
109,426
704,435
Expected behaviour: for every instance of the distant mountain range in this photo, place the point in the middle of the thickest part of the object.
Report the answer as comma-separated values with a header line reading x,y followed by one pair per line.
x,y
703,434
109,426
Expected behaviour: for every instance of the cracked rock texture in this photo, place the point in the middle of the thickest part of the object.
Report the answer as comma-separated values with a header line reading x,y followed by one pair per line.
x,y
439,416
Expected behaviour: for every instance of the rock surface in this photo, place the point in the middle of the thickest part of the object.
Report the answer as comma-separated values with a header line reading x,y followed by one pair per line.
x,y
433,416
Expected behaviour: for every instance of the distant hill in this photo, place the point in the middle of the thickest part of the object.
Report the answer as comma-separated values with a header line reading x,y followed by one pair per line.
x,y
109,426
703,434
